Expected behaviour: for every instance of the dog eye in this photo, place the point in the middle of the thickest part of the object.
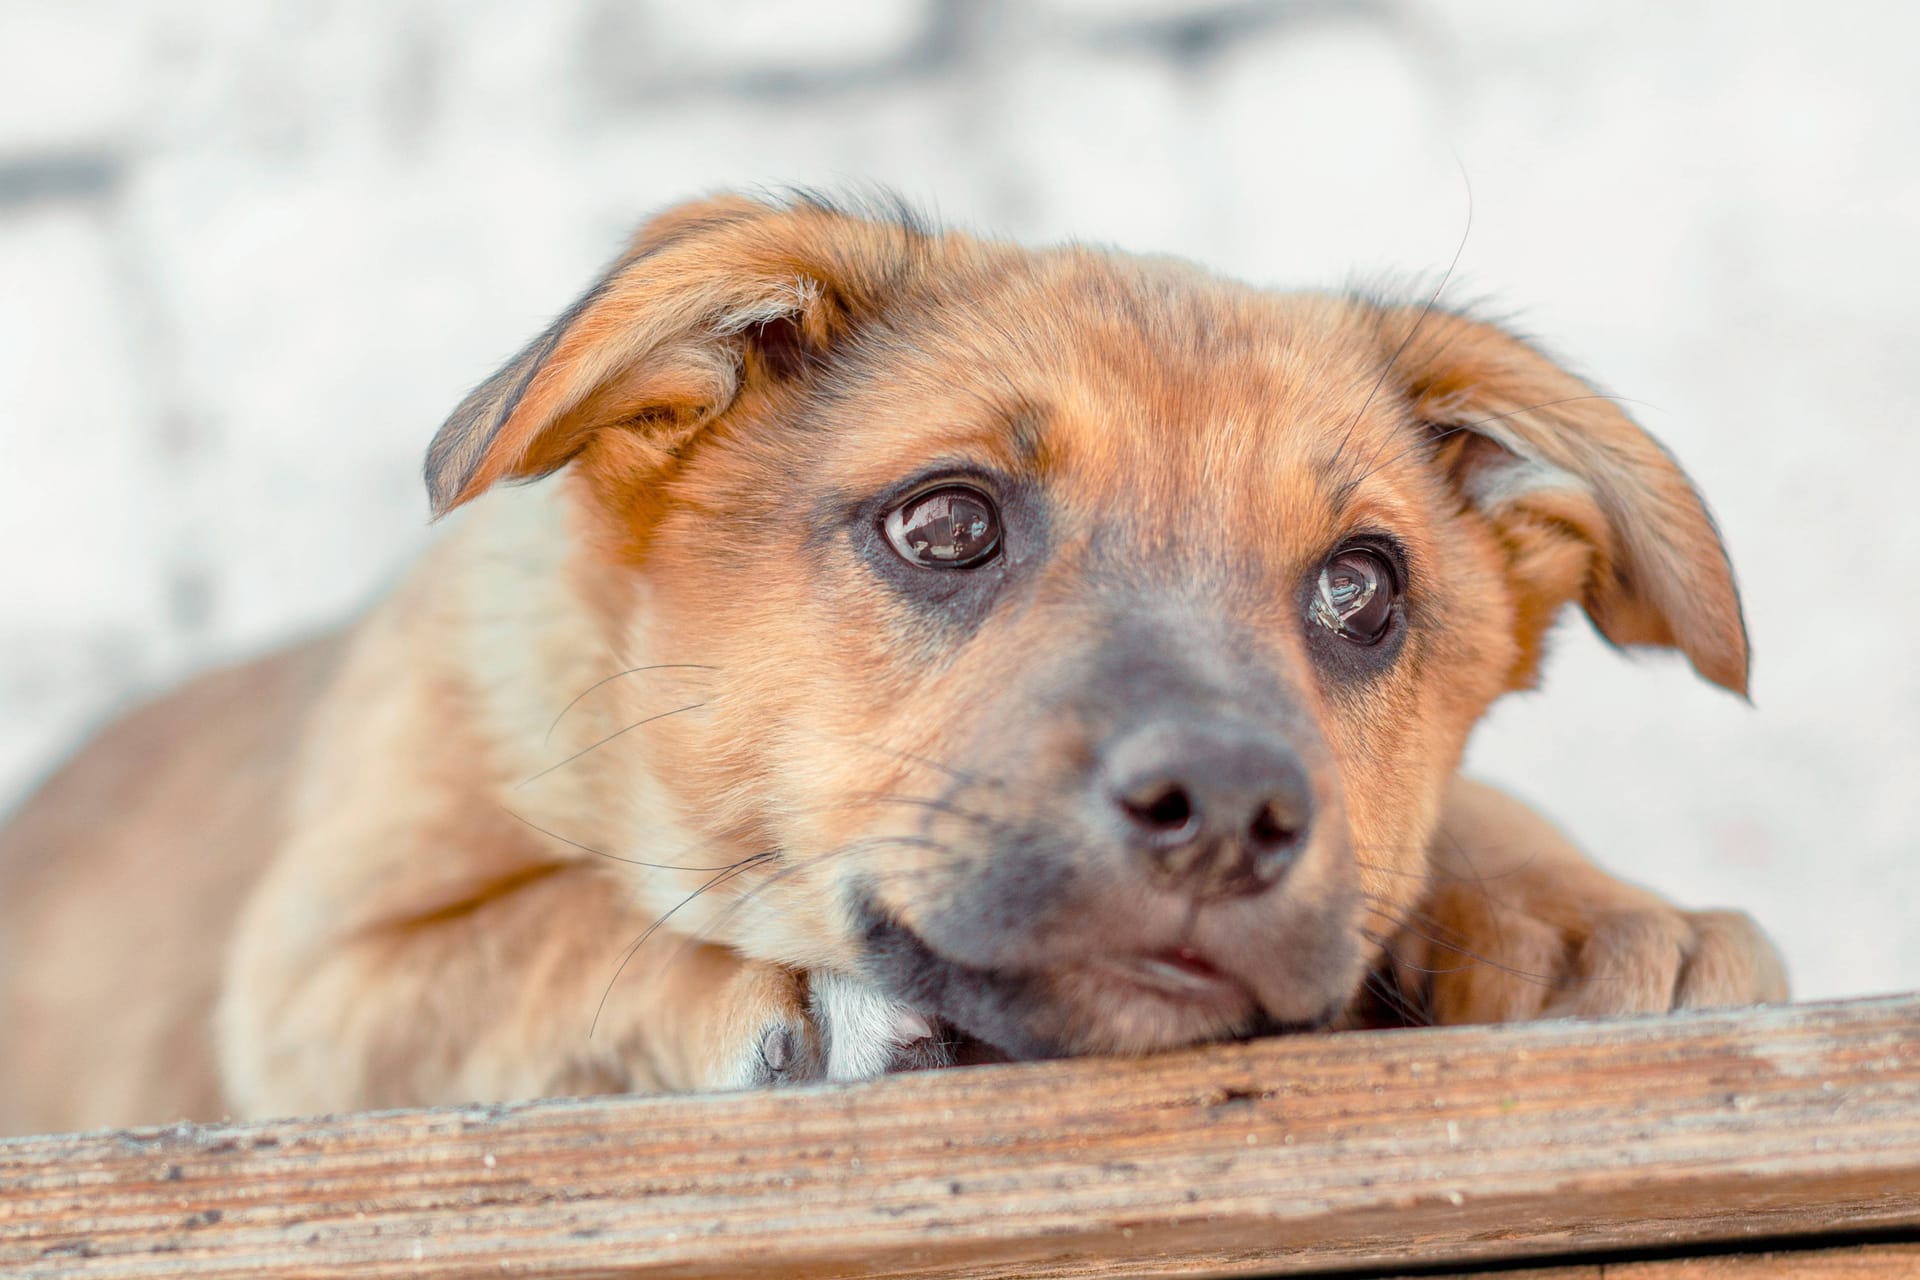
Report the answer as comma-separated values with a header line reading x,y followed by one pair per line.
x,y
952,527
1355,595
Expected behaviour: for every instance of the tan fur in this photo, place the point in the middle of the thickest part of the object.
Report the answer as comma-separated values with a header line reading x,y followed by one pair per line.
x,y
659,701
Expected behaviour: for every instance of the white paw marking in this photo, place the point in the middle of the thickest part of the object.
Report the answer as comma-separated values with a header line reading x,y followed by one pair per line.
x,y
865,1032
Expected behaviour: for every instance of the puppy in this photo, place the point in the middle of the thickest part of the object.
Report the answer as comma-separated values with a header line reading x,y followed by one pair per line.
x,y
905,640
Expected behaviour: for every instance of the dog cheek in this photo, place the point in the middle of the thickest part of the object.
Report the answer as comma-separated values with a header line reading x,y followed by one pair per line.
x,y
1393,768
1318,947
1546,566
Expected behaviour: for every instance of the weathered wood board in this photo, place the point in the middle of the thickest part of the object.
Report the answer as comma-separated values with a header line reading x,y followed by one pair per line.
x,y
1371,1151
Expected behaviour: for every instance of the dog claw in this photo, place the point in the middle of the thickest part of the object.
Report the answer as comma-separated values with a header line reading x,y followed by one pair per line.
x,y
783,1053
777,1049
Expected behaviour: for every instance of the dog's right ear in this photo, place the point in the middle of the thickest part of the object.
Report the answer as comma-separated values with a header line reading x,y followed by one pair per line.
x,y
1586,505
708,294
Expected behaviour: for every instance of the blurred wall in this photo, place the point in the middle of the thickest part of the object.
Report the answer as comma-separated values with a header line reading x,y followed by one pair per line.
x,y
250,254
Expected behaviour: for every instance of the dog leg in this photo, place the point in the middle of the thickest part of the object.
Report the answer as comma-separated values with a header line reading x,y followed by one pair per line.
x,y
515,992
1519,924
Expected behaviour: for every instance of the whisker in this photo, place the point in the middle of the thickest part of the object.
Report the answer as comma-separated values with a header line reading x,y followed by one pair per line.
x,y
794,866
1403,873
854,799
1426,439
1388,910
1423,439
1407,926
1384,942
665,916
694,706
1437,876
1486,895
959,775
632,862
1389,992
656,666
1419,321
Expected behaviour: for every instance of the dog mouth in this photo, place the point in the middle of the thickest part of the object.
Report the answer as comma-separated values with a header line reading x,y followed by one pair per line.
x,y
1179,974
1130,1001
1178,987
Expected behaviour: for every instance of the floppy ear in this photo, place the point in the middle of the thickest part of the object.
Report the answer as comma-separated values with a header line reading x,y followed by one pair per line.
x,y
707,294
1589,507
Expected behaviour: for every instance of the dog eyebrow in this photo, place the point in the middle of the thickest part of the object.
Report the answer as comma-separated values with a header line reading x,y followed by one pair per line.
x,y
1341,473
1012,435
1025,424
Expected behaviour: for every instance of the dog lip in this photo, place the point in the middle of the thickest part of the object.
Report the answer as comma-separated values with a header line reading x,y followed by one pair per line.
x,y
1179,972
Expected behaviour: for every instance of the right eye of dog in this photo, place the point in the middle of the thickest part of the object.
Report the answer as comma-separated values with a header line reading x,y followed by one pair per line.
x,y
1354,597
955,526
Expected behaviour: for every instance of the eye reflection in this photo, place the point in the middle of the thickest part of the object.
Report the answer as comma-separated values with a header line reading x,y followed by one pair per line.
x,y
1354,596
1347,589
952,527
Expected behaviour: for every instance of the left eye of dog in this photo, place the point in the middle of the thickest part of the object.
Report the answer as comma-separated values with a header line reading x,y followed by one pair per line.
x,y
953,527
1355,594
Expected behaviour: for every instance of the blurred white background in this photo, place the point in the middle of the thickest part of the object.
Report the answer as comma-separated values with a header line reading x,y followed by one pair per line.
x,y
250,254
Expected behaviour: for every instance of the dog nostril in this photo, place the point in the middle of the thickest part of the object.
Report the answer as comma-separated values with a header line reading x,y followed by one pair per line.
x,y
1164,810
1274,829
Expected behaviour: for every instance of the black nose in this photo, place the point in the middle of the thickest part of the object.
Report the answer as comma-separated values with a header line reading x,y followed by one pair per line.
x,y
1217,808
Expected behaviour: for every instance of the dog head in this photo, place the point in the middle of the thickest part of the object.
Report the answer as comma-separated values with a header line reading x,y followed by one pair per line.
x,y
1090,638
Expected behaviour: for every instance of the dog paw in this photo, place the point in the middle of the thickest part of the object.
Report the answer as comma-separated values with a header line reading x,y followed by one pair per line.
x,y
1657,960
1516,923
1509,965
865,1033
782,1049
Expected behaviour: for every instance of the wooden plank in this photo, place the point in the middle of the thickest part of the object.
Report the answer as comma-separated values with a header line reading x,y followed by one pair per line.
x,y
1283,1156
1862,1262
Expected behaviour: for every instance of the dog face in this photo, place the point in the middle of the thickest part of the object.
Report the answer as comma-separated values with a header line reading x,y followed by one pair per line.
x,y
1090,638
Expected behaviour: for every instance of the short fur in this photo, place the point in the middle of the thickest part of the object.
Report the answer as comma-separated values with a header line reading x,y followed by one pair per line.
x,y
680,697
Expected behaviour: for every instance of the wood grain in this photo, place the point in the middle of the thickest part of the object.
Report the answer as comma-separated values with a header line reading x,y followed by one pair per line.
x,y
1862,1262
1368,1150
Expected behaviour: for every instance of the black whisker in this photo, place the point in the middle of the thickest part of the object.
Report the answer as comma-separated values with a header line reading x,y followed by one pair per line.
x,y
1426,439
794,866
959,775
632,862
693,706
1440,877
1385,941
657,666
1486,895
1407,926
854,799
1388,991
640,941
1419,321
1404,874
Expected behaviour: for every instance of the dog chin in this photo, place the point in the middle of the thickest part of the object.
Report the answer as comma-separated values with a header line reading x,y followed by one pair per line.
x,y
1139,1004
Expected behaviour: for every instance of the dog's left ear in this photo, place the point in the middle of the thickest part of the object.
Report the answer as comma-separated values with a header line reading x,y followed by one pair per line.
x,y
709,298
1587,505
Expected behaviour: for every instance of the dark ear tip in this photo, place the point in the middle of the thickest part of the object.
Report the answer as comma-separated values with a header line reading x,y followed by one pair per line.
x,y
453,460
437,498
443,491
445,496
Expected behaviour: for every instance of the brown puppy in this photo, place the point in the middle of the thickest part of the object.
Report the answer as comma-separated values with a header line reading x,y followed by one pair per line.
x,y
920,632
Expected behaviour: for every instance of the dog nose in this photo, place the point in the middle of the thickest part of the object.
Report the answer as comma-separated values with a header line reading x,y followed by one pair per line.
x,y
1216,808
